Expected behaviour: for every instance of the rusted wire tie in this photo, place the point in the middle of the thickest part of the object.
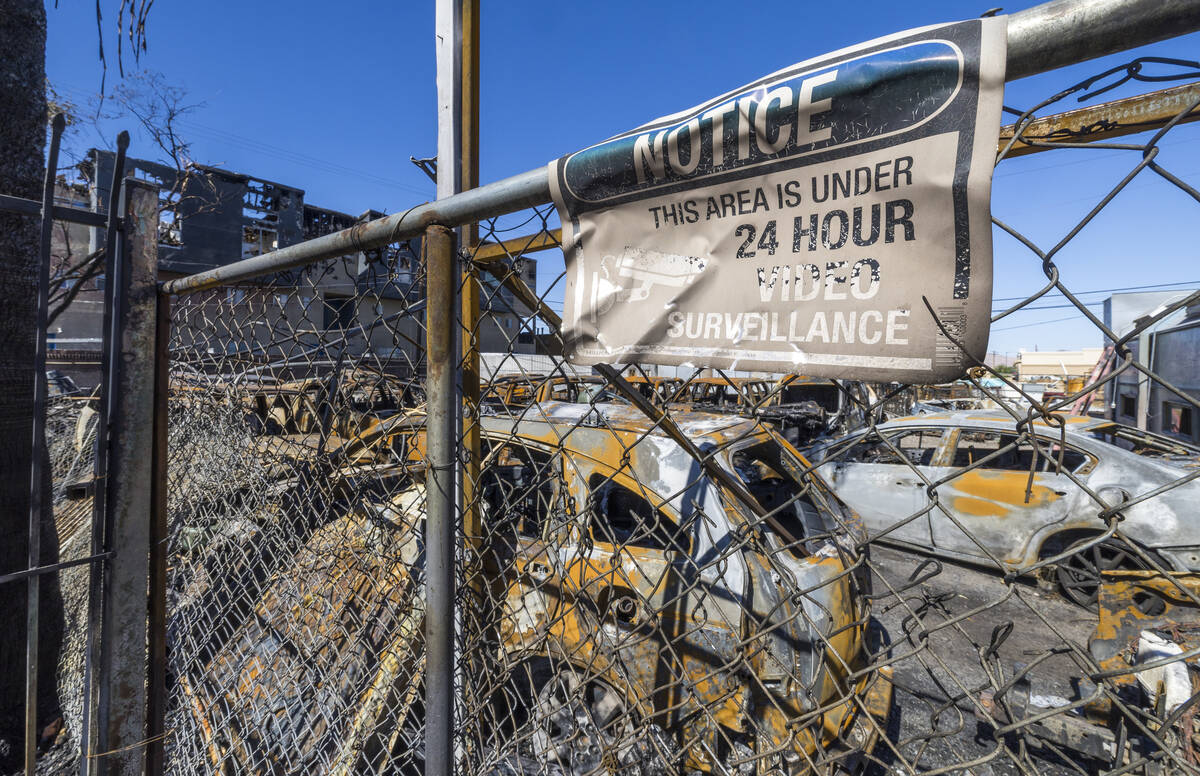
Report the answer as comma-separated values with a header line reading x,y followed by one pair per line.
x,y
160,737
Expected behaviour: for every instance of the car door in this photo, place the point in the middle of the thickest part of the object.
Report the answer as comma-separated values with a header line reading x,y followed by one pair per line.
x,y
880,478
639,586
987,510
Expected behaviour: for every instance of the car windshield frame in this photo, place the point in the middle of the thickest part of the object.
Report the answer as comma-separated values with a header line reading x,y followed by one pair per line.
x,y
808,485
827,396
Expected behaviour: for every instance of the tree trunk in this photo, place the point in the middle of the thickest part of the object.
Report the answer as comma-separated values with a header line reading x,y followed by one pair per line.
x,y
22,162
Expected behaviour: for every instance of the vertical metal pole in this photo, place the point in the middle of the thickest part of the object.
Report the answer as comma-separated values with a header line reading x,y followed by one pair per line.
x,y
93,736
448,21
156,711
442,277
123,656
37,470
468,235
441,441
468,239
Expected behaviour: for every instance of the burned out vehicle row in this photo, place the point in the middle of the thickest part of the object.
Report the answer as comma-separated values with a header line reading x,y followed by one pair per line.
x,y
635,600
802,408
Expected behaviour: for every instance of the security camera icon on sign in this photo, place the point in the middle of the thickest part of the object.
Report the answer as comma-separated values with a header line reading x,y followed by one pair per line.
x,y
631,276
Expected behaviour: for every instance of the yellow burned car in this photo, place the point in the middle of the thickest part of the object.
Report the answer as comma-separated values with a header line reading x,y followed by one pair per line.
x,y
658,389
626,609
361,397
726,394
513,392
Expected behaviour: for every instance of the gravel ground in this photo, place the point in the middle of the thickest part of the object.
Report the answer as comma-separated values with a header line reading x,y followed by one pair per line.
x,y
937,688
955,610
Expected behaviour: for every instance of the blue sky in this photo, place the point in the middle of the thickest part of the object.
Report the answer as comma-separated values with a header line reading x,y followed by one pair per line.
x,y
334,98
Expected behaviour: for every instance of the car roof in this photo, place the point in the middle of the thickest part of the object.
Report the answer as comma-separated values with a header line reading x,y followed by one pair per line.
x,y
997,419
733,381
512,378
657,461
623,417
577,379
651,379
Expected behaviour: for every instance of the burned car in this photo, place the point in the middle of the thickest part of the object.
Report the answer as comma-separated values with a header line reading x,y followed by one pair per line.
x,y
659,390
514,392
804,408
1008,501
348,401
727,394
801,408
635,609
1145,643
939,406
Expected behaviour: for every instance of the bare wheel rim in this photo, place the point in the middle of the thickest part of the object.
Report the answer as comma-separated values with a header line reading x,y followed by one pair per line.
x,y
578,723
1079,574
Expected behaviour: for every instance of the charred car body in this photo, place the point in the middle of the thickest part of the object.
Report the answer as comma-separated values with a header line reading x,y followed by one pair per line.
x,y
635,605
1010,501
660,390
514,392
740,395
805,408
346,403
1145,645
802,408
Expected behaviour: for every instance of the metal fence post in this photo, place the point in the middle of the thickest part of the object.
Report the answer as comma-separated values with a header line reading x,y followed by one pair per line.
x,y
37,507
93,735
441,441
123,664
156,708
476,614
469,238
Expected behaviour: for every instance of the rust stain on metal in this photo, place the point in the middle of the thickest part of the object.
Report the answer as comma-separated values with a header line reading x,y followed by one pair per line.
x,y
990,492
518,246
1105,120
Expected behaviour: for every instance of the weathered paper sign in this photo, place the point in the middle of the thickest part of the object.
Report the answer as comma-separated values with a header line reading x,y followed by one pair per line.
x,y
796,224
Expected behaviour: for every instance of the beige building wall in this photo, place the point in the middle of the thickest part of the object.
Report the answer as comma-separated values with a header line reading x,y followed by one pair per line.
x,y
1034,366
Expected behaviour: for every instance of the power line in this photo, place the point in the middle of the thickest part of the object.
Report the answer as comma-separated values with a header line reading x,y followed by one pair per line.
x,y
1085,158
1037,323
1046,307
1102,290
1146,183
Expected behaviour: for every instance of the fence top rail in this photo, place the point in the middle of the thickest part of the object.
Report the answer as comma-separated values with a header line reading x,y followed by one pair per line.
x,y
1040,39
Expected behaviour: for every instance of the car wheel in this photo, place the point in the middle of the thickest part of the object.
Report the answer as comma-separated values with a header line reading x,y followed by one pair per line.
x,y
571,725
1079,575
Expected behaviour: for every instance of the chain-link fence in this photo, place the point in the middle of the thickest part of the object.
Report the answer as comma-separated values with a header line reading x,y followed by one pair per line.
x,y
668,572
71,441
295,537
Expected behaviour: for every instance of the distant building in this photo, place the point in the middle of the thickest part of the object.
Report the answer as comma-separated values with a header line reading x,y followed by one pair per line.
x,y
1121,310
1056,366
507,325
996,360
210,217
73,341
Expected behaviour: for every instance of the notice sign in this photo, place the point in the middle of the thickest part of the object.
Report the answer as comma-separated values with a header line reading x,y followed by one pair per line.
x,y
796,223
